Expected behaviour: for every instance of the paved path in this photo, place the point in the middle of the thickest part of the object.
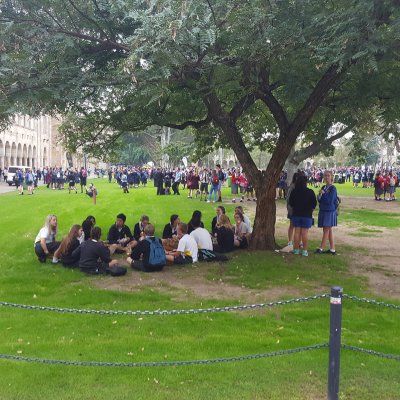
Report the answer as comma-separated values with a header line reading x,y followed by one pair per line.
x,y
5,188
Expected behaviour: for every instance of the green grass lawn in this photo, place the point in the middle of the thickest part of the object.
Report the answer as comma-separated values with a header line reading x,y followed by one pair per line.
x,y
180,337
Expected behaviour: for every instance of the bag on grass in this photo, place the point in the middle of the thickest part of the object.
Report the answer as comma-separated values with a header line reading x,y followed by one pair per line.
x,y
157,253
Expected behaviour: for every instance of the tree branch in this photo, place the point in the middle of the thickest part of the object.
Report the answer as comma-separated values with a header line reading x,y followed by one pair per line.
x,y
80,12
212,11
78,35
101,13
316,98
265,94
242,105
227,124
318,146
194,124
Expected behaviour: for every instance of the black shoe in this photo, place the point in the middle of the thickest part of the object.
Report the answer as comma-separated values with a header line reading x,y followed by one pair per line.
x,y
332,253
219,201
42,259
318,251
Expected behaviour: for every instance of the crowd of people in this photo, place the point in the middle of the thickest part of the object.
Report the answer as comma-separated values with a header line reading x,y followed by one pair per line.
x,y
180,243
383,181
202,183
53,177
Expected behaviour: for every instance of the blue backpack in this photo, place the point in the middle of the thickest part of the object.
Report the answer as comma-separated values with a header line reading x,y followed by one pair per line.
x,y
157,253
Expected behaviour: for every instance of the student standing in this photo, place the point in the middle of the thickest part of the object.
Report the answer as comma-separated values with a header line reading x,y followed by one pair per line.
x,y
327,216
303,202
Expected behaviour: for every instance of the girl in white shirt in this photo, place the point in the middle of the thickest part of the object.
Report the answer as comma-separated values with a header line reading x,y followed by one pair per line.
x,y
45,242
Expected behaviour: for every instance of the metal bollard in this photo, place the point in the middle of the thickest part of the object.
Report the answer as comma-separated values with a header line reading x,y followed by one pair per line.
x,y
335,342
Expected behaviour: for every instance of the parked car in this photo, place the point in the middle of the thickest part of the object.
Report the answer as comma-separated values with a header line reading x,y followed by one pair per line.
x,y
12,171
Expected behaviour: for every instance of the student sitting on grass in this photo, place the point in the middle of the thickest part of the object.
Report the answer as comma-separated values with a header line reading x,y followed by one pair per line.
x,y
170,235
219,210
170,230
138,230
94,257
246,219
195,221
119,234
225,235
202,237
45,242
148,255
187,250
87,226
241,231
91,191
67,247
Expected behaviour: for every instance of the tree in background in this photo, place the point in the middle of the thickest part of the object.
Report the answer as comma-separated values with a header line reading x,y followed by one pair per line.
x,y
248,73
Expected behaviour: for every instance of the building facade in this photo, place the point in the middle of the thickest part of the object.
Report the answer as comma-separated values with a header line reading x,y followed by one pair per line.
x,y
27,142
34,142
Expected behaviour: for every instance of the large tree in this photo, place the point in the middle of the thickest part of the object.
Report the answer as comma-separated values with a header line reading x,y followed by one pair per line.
x,y
220,66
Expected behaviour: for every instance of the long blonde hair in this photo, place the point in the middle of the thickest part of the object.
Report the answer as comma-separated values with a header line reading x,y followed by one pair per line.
x,y
47,224
223,220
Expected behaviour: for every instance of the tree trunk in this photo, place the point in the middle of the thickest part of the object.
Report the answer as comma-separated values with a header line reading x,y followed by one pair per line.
x,y
293,165
263,236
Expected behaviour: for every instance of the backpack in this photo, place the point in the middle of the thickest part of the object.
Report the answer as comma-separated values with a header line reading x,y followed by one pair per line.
x,y
215,180
157,253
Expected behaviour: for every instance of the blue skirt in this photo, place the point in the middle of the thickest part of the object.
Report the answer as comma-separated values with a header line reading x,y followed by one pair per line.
x,y
327,219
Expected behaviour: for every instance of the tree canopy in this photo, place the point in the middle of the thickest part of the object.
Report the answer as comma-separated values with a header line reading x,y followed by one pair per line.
x,y
248,72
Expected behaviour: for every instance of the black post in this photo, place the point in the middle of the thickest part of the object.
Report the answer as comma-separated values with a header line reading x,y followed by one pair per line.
x,y
335,343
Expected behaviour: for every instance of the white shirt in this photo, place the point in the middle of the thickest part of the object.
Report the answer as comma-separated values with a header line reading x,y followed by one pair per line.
x,y
188,246
202,238
248,223
44,234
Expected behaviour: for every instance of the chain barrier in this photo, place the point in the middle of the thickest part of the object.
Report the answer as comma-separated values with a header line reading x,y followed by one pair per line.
x,y
369,301
167,312
371,352
163,363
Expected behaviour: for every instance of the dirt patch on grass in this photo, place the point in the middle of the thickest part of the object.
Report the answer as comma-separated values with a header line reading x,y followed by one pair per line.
x,y
181,283
376,257
375,246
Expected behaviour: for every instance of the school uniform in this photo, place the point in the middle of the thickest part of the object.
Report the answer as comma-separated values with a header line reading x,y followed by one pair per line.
x,y
328,202
168,231
94,257
138,230
67,259
141,254
115,234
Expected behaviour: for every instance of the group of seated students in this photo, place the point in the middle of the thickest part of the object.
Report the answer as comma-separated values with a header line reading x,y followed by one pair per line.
x,y
180,244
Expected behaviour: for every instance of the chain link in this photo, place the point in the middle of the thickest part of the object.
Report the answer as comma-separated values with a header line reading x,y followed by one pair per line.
x,y
374,302
166,312
163,363
371,352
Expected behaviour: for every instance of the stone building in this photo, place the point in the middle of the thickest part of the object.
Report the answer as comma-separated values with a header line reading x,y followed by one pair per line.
x,y
34,142
27,142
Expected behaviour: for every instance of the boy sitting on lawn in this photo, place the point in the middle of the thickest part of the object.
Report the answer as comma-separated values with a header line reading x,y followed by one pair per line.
x,y
187,251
